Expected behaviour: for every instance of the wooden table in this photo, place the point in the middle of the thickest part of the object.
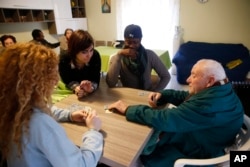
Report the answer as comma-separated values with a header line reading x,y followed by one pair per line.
x,y
124,140
107,51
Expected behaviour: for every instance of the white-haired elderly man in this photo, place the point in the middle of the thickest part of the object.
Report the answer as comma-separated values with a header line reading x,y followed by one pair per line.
x,y
205,121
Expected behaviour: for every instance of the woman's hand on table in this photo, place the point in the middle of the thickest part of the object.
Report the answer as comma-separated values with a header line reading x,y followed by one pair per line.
x,y
87,86
93,121
89,117
79,116
119,106
80,92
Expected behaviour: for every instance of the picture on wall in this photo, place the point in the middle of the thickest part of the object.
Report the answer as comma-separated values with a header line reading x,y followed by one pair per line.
x,y
106,6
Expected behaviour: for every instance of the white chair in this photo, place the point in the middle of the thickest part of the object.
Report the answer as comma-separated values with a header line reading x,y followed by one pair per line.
x,y
242,143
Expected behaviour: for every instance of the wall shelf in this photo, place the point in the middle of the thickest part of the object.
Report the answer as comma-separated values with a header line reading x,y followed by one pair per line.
x,y
25,15
78,8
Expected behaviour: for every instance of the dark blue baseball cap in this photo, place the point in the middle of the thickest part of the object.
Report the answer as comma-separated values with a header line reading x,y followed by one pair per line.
x,y
133,31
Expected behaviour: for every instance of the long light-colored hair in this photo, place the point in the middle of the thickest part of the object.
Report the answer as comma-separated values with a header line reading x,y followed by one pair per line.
x,y
28,74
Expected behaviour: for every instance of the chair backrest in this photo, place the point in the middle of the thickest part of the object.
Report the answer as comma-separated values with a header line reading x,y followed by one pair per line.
x,y
110,43
100,43
242,143
243,138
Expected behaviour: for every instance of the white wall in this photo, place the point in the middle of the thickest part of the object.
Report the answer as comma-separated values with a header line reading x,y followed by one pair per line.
x,y
225,21
22,31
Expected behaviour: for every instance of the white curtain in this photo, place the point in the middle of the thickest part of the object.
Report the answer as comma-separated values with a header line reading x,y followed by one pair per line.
x,y
157,18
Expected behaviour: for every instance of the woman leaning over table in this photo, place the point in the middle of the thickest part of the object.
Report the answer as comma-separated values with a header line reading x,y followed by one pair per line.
x,y
29,135
80,68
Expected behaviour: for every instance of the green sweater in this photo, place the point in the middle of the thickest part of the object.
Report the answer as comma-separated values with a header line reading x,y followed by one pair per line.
x,y
200,127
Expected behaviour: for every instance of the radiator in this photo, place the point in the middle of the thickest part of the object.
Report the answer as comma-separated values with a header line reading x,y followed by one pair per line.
x,y
242,89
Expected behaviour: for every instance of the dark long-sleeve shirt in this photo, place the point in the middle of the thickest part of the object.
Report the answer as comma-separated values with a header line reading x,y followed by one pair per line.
x,y
46,43
72,76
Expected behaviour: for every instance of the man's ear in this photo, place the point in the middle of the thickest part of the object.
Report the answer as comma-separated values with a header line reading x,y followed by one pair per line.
x,y
211,81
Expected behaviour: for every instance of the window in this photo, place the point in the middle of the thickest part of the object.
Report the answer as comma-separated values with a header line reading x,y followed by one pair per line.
x,y
158,20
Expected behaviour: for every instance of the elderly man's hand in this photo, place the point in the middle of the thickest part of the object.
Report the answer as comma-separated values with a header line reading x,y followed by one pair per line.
x,y
119,106
153,97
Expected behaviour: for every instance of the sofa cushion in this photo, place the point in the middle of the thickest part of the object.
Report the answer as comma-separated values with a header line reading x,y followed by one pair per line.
x,y
239,73
190,52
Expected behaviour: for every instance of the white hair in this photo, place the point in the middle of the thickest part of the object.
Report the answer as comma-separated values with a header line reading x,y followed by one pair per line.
x,y
212,67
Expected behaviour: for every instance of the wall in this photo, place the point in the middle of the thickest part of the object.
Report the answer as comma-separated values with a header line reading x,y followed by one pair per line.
x,y
224,21
22,31
214,21
102,26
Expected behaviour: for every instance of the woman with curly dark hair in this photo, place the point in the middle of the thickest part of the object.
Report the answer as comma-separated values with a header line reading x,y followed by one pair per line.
x,y
29,135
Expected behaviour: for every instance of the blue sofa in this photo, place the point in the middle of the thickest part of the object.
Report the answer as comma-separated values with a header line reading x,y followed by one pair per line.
x,y
190,52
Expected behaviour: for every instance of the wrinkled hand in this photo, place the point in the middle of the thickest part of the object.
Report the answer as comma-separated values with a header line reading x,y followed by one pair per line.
x,y
153,97
119,106
79,116
86,86
93,121
128,52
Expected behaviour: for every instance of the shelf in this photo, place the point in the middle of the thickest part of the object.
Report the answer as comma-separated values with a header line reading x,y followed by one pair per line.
x,y
38,15
25,15
78,8
10,15
49,15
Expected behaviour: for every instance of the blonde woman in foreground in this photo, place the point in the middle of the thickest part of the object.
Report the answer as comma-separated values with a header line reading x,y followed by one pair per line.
x,y
29,135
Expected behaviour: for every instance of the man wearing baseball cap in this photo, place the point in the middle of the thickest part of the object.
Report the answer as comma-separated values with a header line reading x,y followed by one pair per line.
x,y
133,64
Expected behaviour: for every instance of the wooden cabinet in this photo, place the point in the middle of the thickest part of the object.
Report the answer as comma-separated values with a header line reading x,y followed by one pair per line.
x,y
78,8
60,14
11,15
62,9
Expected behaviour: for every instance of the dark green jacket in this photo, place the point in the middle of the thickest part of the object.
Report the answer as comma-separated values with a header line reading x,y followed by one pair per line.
x,y
200,127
